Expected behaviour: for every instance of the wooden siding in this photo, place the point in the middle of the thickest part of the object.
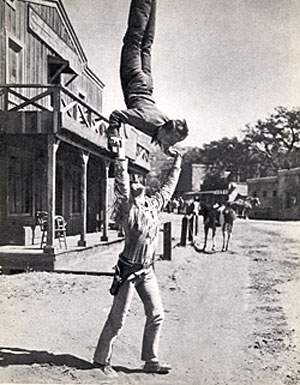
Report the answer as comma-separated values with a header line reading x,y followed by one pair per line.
x,y
3,175
2,45
35,51
82,85
53,19
27,122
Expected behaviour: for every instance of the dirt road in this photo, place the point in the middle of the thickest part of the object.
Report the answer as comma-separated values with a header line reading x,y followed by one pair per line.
x,y
231,318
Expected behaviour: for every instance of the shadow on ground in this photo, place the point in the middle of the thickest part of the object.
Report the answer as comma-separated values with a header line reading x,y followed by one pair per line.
x,y
17,356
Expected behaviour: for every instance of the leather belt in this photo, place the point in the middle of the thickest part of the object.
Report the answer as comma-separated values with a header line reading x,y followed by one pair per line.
x,y
138,265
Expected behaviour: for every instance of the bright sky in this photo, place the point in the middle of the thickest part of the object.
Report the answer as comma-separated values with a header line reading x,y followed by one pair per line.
x,y
220,64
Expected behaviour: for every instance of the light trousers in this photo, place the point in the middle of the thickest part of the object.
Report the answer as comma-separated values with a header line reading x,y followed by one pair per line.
x,y
147,288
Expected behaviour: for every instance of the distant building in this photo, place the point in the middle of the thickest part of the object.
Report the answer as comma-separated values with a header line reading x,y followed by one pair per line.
x,y
279,195
193,182
227,191
191,178
53,144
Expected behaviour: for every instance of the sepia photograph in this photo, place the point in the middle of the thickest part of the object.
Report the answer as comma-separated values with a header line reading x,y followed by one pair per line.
x,y
150,192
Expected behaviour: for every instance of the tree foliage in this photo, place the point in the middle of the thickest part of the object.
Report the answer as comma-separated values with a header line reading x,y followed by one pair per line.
x,y
267,146
227,154
277,138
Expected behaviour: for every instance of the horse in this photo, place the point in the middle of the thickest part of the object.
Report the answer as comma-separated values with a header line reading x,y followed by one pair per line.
x,y
214,216
210,220
227,217
242,206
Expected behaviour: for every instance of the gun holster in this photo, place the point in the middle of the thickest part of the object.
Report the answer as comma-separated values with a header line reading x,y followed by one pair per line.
x,y
122,273
117,282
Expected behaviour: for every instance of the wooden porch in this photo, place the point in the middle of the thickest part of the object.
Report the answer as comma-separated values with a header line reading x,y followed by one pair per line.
x,y
96,257
58,117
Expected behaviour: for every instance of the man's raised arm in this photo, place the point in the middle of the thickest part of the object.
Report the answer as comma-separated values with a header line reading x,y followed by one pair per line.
x,y
122,183
167,190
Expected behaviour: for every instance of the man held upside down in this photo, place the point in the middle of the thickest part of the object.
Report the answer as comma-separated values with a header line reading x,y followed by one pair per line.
x,y
137,83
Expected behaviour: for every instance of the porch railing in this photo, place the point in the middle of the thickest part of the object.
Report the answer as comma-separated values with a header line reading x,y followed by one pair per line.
x,y
51,98
20,99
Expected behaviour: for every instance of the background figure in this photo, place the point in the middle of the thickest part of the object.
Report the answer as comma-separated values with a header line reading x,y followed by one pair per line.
x,y
196,209
138,215
137,82
175,205
181,207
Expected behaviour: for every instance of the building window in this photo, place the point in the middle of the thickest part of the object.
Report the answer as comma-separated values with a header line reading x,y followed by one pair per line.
x,y
20,185
75,191
274,194
288,200
15,62
264,194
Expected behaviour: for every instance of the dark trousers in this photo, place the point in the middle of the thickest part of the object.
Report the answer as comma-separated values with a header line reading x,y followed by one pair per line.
x,y
135,70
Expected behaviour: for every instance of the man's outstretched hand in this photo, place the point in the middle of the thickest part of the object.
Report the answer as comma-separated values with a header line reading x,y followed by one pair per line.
x,y
173,152
119,147
114,143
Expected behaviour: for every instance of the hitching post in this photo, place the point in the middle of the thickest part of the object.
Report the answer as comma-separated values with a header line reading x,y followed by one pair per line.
x,y
167,249
191,229
184,226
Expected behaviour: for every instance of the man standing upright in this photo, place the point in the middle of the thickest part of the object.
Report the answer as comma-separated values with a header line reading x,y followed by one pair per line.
x,y
137,83
139,216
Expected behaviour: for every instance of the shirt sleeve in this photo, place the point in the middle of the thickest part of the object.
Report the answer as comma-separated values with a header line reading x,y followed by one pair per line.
x,y
162,197
122,184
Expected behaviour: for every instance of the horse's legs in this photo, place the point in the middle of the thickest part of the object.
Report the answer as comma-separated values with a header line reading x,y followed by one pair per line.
x,y
205,238
224,238
246,214
213,238
228,239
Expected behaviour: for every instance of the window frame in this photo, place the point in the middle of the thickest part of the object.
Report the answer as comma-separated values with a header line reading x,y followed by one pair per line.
x,y
10,42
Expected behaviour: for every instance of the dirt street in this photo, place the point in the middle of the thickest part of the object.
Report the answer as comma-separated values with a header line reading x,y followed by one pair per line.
x,y
231,318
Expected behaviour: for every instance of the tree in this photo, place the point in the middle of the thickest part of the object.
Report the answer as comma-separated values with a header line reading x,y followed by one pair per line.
x,y
192,155
229,154
277,138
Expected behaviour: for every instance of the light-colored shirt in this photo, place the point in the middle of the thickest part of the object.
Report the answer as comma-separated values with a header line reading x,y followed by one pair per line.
x,y
140,245
196,207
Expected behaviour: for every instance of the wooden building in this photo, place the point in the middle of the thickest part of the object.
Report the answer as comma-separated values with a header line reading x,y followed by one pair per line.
x,y
191,178
279,195
53,144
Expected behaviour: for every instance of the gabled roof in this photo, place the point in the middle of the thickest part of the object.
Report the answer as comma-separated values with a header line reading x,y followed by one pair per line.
x,y
58,4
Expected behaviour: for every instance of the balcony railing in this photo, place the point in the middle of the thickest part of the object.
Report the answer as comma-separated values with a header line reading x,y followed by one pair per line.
x,y
51,98
46,109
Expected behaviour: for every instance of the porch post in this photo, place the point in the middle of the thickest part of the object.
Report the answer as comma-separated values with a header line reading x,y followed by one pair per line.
x,y
52,147
83,198
3,186
105,202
